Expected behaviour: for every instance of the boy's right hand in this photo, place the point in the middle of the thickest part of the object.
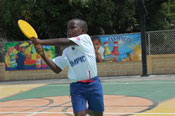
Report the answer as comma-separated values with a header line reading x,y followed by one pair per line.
x,y
39,49
37,45
36,40
96,49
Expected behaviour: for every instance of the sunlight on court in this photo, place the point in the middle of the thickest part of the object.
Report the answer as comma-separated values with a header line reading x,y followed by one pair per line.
x,y
9,90
135,98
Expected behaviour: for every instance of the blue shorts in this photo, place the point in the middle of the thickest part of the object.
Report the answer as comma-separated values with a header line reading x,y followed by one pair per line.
x,y
91,93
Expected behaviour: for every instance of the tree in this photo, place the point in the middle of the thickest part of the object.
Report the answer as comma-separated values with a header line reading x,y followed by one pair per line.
x,y
9,13
108,16
49,17
160,14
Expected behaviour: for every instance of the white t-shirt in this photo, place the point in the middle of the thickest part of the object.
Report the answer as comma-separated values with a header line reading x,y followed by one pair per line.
x,y
79,58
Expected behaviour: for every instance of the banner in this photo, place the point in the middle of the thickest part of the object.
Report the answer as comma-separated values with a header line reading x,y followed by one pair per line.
x,y
23,56
117,48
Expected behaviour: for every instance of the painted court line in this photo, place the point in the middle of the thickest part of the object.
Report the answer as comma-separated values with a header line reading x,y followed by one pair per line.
x,y
112,113
106,83
102,83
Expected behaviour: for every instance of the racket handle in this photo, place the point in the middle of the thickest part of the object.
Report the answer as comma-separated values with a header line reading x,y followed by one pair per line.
x,y
31,38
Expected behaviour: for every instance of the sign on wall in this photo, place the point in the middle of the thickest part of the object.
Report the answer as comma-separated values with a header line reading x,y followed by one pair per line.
x,y
23,56
117,48
108,48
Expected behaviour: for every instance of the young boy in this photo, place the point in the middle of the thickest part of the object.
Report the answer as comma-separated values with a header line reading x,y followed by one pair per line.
x,y
99,50
80,58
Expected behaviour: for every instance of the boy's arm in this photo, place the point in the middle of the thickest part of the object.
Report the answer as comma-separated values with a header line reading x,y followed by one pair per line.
x,y
57,41
49,62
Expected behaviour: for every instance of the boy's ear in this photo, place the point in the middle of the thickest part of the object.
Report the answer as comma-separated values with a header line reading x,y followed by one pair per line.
x,y
84,30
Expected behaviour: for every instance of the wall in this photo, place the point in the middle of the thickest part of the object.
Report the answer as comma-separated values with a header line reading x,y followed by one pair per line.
x,y
119,68
104,69
161,64
156,64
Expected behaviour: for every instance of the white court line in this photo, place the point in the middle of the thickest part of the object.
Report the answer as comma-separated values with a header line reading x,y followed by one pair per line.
x,y
111,113
32,114
106,83
123,83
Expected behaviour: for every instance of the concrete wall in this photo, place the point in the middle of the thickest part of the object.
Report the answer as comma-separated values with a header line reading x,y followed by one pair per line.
x,y
157,64
161,64
104,69
29,74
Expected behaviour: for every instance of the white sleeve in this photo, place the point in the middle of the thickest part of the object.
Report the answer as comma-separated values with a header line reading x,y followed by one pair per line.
x,y
60,61
83,42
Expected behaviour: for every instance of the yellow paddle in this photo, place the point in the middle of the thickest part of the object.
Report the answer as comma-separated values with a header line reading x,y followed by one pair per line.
x,y
27,29
29,32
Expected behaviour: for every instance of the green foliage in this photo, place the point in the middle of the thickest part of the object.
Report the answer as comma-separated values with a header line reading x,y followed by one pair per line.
x,y
160,14
50,17
9,13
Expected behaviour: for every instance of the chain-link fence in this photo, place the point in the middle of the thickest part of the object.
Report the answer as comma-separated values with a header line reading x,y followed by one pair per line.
x,y
160,42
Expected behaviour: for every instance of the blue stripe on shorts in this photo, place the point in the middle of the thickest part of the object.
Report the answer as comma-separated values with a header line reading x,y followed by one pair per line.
x,y
91,93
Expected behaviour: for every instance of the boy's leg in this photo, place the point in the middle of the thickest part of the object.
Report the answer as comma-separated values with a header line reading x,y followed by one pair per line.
x,y
78,99
95,98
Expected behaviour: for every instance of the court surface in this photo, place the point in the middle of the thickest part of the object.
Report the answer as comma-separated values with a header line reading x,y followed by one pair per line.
x,y
123,95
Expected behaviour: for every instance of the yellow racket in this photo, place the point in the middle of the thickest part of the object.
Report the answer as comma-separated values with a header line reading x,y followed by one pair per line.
x,y
27,29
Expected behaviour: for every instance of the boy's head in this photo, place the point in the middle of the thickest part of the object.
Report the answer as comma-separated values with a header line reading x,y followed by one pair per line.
x,y
76,27
96,41
23,46
23,49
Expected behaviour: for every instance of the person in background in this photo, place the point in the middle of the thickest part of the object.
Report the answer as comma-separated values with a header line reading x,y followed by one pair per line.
x,y
21,57
99,50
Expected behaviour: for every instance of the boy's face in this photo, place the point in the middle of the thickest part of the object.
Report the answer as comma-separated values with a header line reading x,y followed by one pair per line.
x,y
23,49
73,29
97,44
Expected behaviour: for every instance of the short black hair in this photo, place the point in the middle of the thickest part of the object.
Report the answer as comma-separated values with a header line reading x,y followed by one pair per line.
x,y
95,37
81,23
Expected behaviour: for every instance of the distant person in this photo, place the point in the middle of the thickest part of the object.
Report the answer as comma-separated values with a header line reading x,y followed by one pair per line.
x,y
21,57
99,50
80,58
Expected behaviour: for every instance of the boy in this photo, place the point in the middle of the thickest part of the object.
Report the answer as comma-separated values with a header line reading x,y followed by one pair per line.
x,y
80,58
99,50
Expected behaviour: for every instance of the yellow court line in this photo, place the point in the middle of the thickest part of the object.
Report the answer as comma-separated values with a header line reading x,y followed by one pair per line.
x,y
9,90
166,108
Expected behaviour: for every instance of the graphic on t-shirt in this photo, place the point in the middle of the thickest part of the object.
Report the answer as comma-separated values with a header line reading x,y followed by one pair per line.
x,y
78,60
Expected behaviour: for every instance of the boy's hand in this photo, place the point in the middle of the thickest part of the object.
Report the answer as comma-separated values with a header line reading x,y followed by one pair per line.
x,y
37,45
96,49
36,40
39,49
